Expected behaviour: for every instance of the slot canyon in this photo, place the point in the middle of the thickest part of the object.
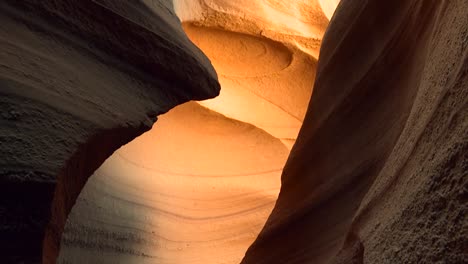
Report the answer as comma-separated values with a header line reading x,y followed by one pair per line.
x,y
233,131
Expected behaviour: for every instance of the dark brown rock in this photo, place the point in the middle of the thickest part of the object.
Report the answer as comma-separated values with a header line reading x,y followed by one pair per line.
x,y
385,126
78,80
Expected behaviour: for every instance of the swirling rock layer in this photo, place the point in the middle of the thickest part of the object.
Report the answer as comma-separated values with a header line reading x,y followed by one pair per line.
x,y
199,186
181,193
378,173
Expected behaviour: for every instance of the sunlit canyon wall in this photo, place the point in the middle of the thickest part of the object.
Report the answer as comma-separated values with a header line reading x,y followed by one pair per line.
x,y
200,185
376,174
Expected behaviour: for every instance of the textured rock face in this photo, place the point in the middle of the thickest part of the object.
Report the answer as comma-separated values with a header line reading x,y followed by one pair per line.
x,y
379,167
199,186
78,80
378,173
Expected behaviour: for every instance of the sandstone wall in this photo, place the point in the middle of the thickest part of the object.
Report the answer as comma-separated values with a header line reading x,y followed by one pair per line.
x,y
380,163
378,173
78,80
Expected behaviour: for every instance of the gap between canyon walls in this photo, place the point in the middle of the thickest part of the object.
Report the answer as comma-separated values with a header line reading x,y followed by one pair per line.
x,y
198,187
376,175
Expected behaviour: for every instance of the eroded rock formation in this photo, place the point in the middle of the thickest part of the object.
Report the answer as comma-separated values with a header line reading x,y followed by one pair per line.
x,y
199,186
378,173
78,80
265,54
379,169
181,193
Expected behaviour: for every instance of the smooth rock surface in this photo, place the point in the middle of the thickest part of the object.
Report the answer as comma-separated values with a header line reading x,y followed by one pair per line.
x,y
199,186
180,193
378,173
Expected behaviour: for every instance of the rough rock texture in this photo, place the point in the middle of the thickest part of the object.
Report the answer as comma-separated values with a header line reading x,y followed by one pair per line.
x,y
381,159
298,24
77,81
378,173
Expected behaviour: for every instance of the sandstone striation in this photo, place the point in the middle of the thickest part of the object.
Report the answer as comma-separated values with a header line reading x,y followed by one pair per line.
x,y
265,53
180,193
214,177
373,169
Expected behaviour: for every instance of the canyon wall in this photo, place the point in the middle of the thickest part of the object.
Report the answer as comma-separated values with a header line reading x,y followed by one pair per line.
x,y
78,79
196,188
199,186
265,53
378,173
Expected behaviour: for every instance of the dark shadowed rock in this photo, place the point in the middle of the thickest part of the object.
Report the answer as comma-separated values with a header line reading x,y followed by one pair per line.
x,y
78,79
382,151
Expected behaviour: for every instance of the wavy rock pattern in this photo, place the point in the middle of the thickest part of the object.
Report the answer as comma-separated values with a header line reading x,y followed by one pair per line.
x,y
256,78
181,193
199,186
377,173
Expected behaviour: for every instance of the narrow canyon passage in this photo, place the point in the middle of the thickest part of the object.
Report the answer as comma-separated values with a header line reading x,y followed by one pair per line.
x,y
199,186
371,169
